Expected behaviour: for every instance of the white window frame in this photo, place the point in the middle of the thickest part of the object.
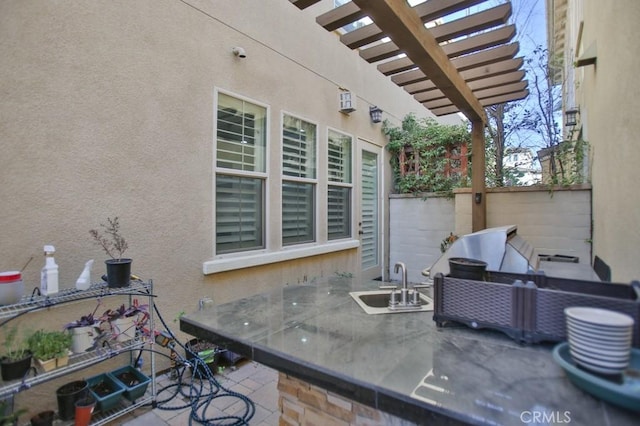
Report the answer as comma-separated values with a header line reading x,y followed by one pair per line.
x,y
313,181
241,173
349,185
274,251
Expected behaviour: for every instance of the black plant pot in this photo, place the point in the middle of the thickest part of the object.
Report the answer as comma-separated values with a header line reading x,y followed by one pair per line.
x,y
195,348
14,370
118,272
67,396
44,418
468,269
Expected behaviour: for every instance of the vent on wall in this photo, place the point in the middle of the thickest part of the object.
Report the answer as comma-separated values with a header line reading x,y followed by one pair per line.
x,y
347,102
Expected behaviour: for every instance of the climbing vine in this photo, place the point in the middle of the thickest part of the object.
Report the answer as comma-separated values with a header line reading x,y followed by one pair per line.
x,y
424,143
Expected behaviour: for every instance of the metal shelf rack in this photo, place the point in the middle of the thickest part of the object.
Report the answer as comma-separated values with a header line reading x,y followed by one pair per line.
x,y
78,362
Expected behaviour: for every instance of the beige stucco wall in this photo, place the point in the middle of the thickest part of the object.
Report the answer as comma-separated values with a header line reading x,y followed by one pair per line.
x,y
107,109
608,95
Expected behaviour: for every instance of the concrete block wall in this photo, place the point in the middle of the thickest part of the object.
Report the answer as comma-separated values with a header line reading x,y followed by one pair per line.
x,y
554,221
417,227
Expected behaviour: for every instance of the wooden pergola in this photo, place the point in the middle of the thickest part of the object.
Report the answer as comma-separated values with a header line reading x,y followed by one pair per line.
x,y
462,65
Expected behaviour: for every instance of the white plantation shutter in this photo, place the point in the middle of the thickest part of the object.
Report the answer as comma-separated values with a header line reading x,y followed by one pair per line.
x,y
299,181
339,191
297,212
369,209
240,200
239,223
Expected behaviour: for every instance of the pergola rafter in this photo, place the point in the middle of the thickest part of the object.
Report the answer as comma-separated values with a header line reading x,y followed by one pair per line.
x,y
449,65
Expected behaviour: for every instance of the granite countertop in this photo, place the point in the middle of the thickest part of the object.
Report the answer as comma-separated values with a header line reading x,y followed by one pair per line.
x,y
401,363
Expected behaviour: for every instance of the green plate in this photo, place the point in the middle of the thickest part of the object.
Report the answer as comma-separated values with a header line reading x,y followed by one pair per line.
x,y
623,392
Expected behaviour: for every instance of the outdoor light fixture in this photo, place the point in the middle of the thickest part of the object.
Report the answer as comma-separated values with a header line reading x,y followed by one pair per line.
x,y
571,116
375,113
347,101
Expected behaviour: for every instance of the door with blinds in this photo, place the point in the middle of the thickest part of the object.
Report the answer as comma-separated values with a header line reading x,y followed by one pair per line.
x,y
370,209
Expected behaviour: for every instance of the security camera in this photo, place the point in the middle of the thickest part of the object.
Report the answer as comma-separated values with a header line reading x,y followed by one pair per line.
x,y
239,52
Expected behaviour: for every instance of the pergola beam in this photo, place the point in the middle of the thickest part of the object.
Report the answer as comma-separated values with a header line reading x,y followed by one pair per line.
x,y
464,26
427,12
403,26
484,83
303,4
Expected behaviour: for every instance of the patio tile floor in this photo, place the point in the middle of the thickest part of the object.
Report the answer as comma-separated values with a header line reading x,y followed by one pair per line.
x,y
255,381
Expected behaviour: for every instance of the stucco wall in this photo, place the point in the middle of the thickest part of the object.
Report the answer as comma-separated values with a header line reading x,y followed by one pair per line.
x,y
608,94
553,222
108,110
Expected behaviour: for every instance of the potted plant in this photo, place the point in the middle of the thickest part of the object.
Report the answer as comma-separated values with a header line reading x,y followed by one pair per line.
x,y
48,347
16,361
84,332
114,245
124,321
201,353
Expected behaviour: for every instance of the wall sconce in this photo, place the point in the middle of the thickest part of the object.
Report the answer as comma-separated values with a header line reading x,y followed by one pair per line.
x,y
375,113
347,102
571,116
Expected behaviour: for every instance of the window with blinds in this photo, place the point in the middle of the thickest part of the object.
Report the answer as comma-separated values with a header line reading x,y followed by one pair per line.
x,y
240,198
340,186
298,181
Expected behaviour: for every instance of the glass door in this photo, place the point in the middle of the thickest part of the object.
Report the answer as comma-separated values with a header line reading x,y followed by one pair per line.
x,y
370,208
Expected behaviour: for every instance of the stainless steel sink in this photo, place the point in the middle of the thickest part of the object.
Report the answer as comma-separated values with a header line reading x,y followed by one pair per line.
x,y
377,302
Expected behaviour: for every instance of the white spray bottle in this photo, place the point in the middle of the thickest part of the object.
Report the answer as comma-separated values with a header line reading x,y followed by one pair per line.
x,y
49,276
84,280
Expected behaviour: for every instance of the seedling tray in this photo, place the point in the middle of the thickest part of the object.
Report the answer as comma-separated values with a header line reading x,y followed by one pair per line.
x,y
135,388
105,402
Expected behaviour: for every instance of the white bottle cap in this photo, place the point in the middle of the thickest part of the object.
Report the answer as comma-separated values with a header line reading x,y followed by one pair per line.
x,y
49,249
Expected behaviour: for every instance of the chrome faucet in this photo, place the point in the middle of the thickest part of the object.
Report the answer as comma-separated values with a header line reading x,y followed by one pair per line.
x,y
404,290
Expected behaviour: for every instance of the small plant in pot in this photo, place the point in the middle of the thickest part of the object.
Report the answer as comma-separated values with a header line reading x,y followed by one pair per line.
x,y
84,332
50,348
124,321
16,361
114,245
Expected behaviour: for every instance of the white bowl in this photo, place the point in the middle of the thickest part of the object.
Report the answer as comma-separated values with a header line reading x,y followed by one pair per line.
x,y
604,355
599,328
603,338
599,316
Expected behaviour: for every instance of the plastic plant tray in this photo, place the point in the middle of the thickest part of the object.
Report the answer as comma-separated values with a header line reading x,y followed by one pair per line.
x,y
528,307
109,401
622,390
131,391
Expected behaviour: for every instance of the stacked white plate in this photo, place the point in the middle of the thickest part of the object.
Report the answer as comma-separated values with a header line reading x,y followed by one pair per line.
x,y
599,339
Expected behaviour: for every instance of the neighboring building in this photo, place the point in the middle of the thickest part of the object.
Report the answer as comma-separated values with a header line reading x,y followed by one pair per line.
x,y
520,163
211,128
599,48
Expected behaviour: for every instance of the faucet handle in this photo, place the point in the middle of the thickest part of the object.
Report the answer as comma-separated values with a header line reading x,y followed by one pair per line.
x,y
423,286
